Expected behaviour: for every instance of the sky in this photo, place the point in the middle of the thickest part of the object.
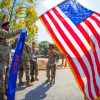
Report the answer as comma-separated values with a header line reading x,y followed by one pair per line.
x,y
44,5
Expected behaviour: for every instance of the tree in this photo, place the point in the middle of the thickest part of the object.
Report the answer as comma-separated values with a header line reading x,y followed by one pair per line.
x,y
22,14
43,48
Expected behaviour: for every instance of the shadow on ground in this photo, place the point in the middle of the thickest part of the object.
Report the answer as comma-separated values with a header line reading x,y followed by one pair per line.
x,y
38,93
19,88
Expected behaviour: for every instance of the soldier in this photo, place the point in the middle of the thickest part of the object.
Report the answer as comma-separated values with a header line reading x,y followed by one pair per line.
x,y
33,63
4,54
25,65
51,64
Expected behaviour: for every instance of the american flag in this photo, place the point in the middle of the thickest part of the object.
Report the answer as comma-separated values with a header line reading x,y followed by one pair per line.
x,y
76,30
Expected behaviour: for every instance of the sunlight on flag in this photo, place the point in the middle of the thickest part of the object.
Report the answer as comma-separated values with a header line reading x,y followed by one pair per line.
x,y
72,28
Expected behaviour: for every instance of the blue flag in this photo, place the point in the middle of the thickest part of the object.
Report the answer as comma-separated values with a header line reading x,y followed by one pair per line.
x,y
15,66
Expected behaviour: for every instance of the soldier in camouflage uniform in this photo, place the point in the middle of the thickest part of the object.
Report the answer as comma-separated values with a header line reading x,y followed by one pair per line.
x,y
25,65
51,64
33,62
5,54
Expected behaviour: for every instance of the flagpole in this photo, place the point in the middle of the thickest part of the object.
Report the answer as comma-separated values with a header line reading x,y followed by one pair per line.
x,y
12,10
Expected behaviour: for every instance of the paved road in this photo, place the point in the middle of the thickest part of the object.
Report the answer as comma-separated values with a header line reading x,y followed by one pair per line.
x,y
65,88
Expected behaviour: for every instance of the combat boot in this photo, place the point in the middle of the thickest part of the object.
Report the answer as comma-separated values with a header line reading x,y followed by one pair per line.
x,y
5,97
36,78
48,80
32,79
28,84
52,81
21,83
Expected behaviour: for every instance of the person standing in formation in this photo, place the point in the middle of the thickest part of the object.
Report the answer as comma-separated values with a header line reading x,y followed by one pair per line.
x,y
33,63
51,64
25,65
5,48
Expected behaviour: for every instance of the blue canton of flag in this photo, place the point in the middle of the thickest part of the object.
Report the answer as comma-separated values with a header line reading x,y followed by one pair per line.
x,y
75,11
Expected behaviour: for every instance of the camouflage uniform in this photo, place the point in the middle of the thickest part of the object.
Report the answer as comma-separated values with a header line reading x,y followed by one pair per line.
x,y
51,66
25,65
4,57
33,64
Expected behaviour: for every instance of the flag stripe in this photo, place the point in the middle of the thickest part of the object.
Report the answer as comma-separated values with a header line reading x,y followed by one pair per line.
x,y
91,27
97,17
93,23
94,17
97,14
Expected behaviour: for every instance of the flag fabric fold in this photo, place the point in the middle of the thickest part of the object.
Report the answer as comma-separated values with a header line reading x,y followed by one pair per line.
x,y
15,66
76,30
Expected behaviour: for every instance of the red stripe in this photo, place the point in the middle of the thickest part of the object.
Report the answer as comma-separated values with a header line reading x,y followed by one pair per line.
x,y
91,27
80,81
97,14
82,30
82,46
72,48
96,20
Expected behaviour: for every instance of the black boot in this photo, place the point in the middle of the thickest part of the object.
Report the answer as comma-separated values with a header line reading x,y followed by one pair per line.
x,y
3,97
48,80
21,83
32,79
6,92
28,84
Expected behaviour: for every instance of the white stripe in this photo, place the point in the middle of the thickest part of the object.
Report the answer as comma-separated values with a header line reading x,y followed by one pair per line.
x,y
78,48
96,45
94,24
96,16
70,53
